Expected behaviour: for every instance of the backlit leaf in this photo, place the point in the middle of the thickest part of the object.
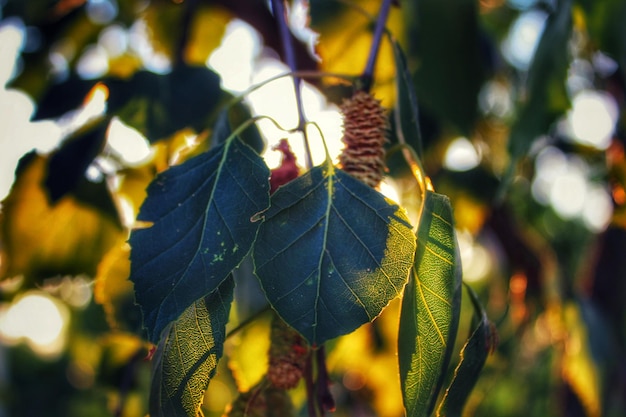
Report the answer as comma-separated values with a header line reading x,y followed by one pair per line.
x,y
208,27
578,366
188,354
472,359
202,229
331,253
247,353
40,240
345,38
114,292
430,308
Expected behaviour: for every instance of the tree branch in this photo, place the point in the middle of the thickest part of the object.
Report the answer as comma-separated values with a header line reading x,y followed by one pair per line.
x,y
368,73
280,16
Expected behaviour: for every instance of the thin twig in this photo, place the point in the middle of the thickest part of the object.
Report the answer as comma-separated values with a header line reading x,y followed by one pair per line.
x,y
310,387
368,72
247,321
324,397
278,8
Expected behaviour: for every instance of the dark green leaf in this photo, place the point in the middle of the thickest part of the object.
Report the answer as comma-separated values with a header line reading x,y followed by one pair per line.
x,y
445,40
430,308
67,165
406,110
547,93
160,105
156,105
62,97
234,117
187,356
472,359
202,229
332,253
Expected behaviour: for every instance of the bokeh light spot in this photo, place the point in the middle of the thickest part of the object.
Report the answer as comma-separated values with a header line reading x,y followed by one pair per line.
x,y
598,209
128,143
461,155
519,47
233,59
93,63
101,11
592,118
39,320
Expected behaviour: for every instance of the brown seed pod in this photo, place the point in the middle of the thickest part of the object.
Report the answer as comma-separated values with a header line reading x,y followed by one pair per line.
x,y
365,128
287,356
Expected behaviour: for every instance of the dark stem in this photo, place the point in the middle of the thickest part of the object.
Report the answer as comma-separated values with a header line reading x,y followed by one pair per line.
x,y
278,8
311,396
368,73
324,396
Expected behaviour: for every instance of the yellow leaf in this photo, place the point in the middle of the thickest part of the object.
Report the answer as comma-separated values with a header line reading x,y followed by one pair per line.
x,y
247,354
577,367
114,291
124,66
363,366
40,240
163,22
134,182
165,26
207,30
345,43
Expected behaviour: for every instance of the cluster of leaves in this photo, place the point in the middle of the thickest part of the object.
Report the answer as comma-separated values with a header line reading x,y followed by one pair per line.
x,y
328,252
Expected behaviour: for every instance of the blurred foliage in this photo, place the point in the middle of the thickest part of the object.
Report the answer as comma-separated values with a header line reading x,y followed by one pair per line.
x,y
553,287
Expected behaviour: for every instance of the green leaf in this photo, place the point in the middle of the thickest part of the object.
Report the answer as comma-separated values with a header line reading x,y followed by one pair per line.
x,y
157,105
406,111
202,229
187,356
160,105
231,118
67,165
472,359
41,240
547,92
444,38
331,253
430,308
62,97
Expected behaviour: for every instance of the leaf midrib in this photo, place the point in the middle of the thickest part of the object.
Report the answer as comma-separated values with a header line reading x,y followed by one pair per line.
x,y
218,175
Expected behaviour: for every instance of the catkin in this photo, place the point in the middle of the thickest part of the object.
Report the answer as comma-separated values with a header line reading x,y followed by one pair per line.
x,y
365,128
287,356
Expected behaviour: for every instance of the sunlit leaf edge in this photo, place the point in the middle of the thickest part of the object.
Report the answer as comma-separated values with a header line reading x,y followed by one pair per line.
x,y
436,342
195,339
165,289
273,239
